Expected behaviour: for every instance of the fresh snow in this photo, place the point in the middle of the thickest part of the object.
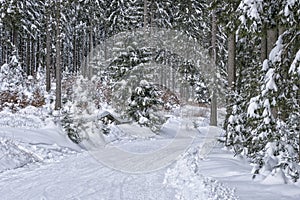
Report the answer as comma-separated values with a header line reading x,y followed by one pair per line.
x,y
265,65
289,4
40,162
293,67
275,54
270,83
252,8
253,107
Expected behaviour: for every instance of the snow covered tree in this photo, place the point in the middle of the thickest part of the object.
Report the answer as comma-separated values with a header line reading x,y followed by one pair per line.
x,y
279,89
18,91
265,137
11,85
80,109
160,14
144,106
69,125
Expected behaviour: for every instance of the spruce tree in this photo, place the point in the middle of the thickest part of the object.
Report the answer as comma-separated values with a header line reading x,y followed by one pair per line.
x,y
144,105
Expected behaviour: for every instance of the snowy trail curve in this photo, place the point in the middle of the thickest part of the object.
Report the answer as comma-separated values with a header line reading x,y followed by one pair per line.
x,y
81,176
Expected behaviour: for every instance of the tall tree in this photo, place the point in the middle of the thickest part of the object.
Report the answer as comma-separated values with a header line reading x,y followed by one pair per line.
x,y
263,135
48,44
58,68
213,113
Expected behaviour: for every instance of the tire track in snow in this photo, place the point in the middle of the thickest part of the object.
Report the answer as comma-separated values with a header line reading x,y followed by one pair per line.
x,y
80,176
133,162
87,180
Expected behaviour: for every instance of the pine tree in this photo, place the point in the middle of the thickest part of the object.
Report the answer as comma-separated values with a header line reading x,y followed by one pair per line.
x,y
144,105
267,140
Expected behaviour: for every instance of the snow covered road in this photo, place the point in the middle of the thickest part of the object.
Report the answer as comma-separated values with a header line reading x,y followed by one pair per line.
x,y
81,176
41,163
142,156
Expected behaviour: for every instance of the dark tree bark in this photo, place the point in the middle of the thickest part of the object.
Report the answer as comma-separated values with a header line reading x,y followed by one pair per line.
x,y
231,61
263,48
58,59
15,34
38,53
32,57
48,53
28,70
272,38
213,113
145,15
90,53
74,54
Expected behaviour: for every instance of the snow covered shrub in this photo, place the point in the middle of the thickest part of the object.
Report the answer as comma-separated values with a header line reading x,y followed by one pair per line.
x,y
169,99
145,104
80,109
17,90
70,127
186,178
236,135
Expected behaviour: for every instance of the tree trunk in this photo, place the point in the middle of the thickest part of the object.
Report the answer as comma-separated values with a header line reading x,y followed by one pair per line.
x,y
145,15
272,38
38,50
74,70
58,64
263,48
1,46
173,72
281,30
231,61
232,86
32,57
84,56
151,13
90,54
15,36
213,112
28,55
48,53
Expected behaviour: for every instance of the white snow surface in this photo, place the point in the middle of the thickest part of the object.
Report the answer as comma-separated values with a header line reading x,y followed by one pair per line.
x,y
252,8
275,54
294,67
270,82
253,107
42,163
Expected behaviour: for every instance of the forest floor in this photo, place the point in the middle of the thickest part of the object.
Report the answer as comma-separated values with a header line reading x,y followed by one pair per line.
x,y
40,162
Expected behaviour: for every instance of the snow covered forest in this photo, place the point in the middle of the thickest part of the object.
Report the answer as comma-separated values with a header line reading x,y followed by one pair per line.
x,y
141,75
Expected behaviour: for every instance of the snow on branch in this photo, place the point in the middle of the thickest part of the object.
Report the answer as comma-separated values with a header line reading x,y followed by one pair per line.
x,y
294,66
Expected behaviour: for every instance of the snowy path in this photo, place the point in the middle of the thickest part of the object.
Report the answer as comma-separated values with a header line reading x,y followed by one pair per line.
x,y
42,163
81,176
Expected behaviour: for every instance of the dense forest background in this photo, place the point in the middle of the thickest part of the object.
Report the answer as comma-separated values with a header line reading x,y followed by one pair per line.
x,y
254,44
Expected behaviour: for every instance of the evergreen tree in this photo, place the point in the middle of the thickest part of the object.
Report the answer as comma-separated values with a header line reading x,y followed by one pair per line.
x,y
144,104
265,137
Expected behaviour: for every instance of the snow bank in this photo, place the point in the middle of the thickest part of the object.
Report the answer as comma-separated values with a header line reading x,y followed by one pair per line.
x,y
16,120
21,146
15,154
189,183
12,155
29,117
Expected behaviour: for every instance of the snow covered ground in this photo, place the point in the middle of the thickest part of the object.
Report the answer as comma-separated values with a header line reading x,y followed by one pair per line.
x,y
234,180
37,161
